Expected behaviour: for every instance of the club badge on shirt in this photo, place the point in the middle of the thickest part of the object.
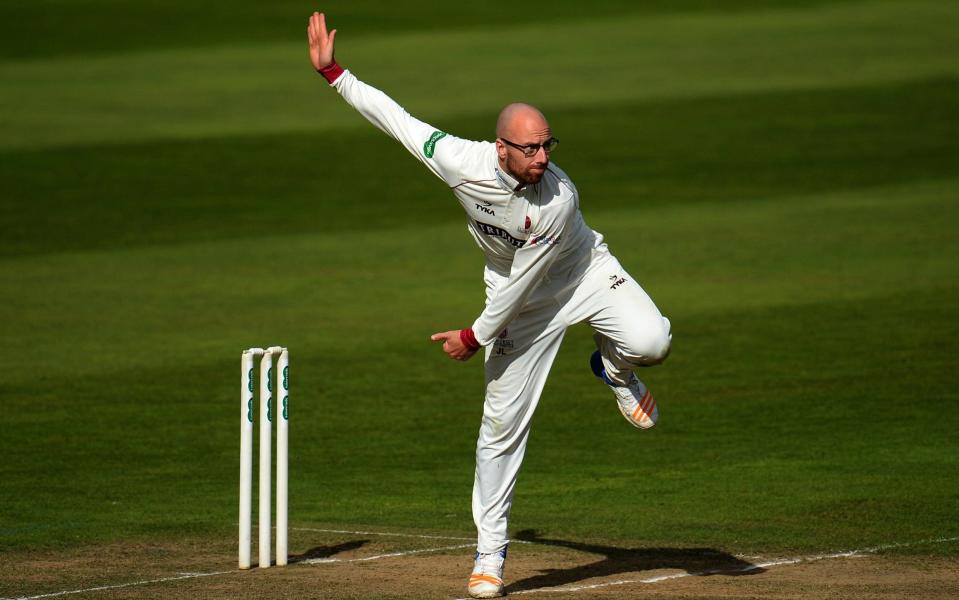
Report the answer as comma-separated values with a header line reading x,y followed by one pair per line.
x,y
525,227
430,146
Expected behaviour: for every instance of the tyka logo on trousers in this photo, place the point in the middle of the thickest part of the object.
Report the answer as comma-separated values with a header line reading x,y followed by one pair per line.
x,y
617,281
485,209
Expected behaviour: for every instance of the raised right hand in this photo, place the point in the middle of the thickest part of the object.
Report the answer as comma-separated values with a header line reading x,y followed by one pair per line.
x,y
321,42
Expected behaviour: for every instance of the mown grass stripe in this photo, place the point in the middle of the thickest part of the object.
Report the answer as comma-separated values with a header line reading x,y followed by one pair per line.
x,y
712,150
191,92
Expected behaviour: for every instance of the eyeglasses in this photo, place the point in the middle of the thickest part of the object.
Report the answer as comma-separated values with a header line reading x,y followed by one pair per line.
x,y
530,150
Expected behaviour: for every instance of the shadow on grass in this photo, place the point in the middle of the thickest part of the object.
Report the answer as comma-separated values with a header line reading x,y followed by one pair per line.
x,y
695,561
328,551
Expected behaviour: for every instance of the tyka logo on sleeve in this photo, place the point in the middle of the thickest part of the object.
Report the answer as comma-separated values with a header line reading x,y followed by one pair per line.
x,y
430,146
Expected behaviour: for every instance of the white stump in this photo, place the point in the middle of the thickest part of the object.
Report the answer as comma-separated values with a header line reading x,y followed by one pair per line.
x,y
246,456
282,442
266,437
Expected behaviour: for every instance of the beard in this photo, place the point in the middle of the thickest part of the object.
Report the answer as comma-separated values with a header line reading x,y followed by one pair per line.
x,y
527,173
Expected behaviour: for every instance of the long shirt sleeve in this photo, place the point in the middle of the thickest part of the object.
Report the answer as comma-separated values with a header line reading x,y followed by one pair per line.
x,y
419,138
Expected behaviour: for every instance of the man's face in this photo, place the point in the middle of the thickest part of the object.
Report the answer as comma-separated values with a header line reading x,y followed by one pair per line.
x,y
526,169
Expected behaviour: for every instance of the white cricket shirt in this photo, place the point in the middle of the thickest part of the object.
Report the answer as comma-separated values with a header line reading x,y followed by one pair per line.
x,y
524,230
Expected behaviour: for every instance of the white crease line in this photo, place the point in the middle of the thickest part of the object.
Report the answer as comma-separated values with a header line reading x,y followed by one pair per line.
x,y
121,585
182,576
384,533
762,565
316,561
773,563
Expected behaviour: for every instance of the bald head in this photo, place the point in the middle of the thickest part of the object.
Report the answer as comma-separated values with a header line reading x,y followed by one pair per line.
x,y
520,127
518,119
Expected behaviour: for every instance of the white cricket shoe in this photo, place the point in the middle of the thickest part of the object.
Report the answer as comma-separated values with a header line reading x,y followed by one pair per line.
x,y
486,580
635,401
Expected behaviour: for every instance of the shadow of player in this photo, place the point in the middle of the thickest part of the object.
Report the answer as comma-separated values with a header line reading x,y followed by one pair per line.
x,y
695,561
328,551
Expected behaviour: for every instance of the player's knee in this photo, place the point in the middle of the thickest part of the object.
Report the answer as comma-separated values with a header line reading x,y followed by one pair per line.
x,y
659,349
651,344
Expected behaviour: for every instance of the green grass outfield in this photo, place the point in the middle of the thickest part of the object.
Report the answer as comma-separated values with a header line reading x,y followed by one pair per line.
x,y
782,177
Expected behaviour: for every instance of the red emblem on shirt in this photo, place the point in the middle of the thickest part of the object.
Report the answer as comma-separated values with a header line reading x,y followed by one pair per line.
x,y
528,223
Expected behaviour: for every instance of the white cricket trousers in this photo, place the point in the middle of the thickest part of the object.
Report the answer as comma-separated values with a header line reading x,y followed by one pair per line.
x,y
630,332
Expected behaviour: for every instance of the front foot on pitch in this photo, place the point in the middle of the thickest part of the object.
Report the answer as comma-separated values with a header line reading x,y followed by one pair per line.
x,y
486,580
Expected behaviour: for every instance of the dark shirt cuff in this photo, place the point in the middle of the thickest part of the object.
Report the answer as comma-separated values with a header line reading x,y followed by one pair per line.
x,y
331,72
468,339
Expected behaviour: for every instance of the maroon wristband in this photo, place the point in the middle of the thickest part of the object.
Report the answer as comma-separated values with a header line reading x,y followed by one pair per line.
x,y
468,339
331,71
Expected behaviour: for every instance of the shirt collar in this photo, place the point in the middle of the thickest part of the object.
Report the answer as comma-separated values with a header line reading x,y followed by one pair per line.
x,y
507,181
